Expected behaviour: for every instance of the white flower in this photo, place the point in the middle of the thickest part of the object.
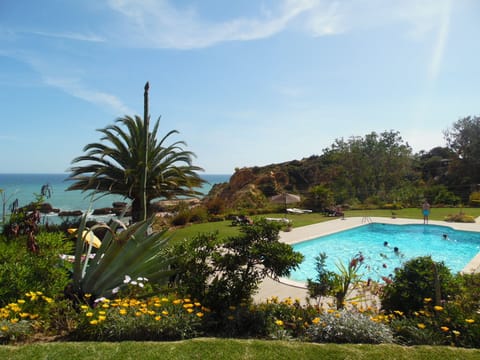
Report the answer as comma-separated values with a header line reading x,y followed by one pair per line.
x,y
133,282
141,285
100,299
115,290
127,279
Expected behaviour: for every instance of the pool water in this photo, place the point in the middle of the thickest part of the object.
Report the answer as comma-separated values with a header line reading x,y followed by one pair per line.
x,y
456,251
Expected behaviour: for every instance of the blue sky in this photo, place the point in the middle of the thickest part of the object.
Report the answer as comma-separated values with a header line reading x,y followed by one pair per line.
x,y
245,82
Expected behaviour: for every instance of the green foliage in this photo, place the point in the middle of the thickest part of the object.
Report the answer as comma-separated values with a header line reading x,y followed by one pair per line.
x,y
319,197
335,284
474,199
131,253
460,218
417,279
349,327
322,285
235,267
152,319
114,168
21,270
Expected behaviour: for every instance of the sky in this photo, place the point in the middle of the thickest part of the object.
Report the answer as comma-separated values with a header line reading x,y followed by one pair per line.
x,y
246,83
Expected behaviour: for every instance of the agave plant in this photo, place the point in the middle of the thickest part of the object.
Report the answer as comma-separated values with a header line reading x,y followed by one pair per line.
x,y
131,253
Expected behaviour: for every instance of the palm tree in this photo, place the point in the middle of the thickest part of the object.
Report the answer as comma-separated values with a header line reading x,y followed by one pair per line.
x,y
117,168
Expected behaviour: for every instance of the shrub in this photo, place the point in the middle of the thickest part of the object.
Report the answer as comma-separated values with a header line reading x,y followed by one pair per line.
x,y
348,327
460,217
22,270
156,318
419,278
474,199
38,313
439,325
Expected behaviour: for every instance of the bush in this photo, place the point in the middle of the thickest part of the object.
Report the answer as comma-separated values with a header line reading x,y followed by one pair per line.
x,y
22,270
474,199
155,318
348,327
460,217
416,281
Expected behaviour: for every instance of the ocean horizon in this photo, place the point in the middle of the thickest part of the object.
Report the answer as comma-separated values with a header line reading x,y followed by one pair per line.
x,y
25,187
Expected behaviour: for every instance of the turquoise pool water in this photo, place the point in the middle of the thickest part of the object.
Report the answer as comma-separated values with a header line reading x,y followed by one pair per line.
x,y
412,241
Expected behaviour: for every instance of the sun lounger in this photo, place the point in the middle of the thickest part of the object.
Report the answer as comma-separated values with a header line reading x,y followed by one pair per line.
x,y
284,220
298,211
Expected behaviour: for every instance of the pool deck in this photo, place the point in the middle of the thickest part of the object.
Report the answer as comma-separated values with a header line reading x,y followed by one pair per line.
x,y
287,288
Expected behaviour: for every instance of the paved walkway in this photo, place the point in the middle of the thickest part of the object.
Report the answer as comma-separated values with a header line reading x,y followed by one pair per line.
x,y
287,288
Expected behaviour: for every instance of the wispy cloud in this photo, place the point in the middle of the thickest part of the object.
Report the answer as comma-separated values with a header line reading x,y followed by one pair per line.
x,y
159,24
441,40
69,36
75,88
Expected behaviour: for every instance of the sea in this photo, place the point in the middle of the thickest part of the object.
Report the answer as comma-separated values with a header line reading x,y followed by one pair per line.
x,y
23,188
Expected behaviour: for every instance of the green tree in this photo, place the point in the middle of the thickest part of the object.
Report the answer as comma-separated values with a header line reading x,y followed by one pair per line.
x,y
419,278
373,165
228,273
463,138
117,167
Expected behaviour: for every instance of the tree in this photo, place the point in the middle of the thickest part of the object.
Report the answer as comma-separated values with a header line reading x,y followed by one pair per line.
x,y
117,168
463,138
227,274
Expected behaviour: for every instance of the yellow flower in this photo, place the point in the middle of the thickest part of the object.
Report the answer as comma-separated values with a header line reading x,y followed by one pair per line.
x,y
4,328
316,320
105,306
24,315
279,322
189,310
123,312
89,314
84,307
164,299
102,318
165,312
93,322
102,312
177,301
398,312
421,326
427,300
199,314
187,300
469,321
444,328
197,304
438,308
232,308
14,321
21,301
456,332
231,317
157,318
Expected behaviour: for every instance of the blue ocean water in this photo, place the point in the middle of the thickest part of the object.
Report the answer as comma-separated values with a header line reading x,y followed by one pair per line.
x,y
24,187
456,250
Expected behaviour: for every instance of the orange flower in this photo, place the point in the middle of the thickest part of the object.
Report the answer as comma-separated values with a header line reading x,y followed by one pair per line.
x,y
444,328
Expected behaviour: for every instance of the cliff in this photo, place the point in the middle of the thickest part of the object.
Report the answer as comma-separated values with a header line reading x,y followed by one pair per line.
x,y
250,187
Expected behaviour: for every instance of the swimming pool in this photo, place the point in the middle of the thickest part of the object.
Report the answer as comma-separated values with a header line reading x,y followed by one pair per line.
x,y
412,241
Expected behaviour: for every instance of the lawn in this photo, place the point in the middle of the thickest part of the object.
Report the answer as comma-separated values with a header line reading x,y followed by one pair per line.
x,y
225,228
208,348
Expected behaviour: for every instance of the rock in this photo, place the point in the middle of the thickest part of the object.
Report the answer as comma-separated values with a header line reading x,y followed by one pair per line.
x,y
102,211
70,213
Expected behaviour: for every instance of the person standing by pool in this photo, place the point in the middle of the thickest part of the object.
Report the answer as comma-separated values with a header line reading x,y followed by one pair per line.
x,y
425,211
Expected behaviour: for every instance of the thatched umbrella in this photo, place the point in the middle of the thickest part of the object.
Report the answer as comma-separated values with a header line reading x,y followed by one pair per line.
x,y
285,198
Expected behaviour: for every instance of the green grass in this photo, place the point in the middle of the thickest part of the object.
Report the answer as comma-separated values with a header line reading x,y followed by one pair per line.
x,y
225,229
207,348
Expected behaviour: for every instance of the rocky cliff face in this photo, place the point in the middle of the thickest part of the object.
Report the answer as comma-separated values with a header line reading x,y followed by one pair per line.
x,y
251,187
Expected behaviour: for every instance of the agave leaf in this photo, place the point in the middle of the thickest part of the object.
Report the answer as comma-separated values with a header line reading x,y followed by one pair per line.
x,y
130,252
